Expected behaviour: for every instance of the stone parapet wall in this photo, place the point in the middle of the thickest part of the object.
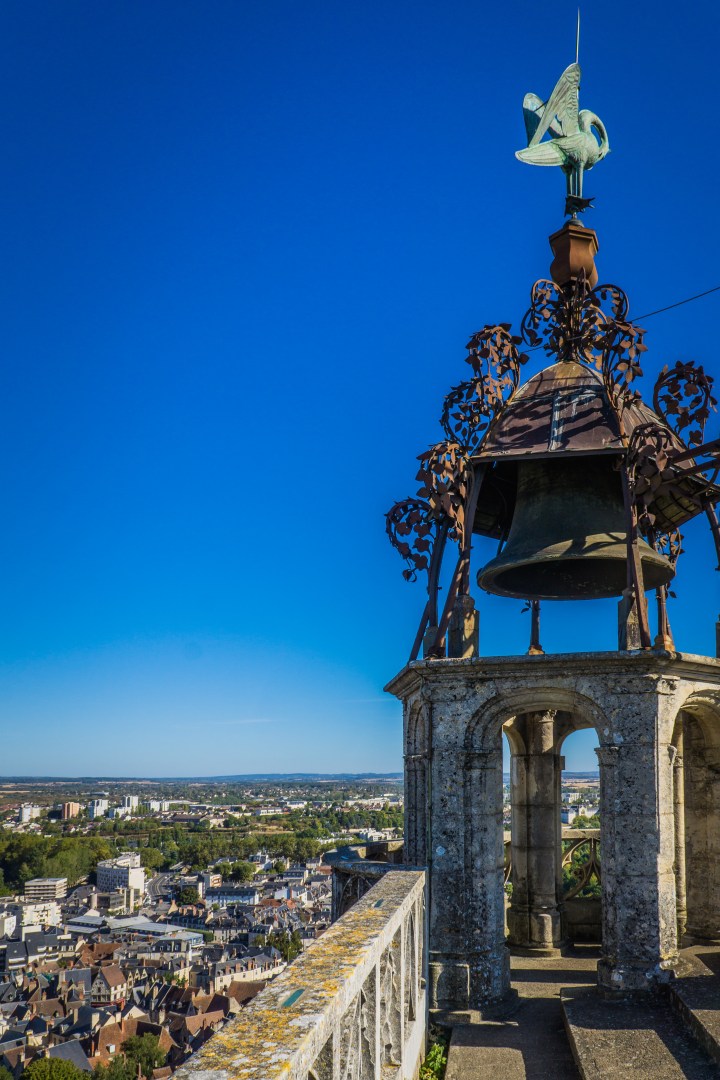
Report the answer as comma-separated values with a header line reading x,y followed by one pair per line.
x,y
353,1007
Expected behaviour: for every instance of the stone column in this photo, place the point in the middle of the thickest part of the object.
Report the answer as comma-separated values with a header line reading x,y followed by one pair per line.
x,y
637,839
679,810
468,961
448,915
534,917
489,971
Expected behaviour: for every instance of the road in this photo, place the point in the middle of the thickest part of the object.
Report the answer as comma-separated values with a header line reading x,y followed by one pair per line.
x,y
159,886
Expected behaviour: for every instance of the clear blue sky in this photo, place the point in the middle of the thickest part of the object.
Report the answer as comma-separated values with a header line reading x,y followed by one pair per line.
x,y
243,245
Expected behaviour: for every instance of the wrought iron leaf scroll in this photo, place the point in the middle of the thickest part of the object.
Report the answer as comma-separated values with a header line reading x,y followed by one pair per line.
x,y
669,544
471,406
444,475
650,453
622,345
683,398
444,484
411,528
591,326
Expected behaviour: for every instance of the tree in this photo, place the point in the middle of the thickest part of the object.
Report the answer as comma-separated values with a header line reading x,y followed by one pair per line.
x,y
288,945
5,1074
144,1050
584,822
188,895
152,858
243,871
119,1068
48,1068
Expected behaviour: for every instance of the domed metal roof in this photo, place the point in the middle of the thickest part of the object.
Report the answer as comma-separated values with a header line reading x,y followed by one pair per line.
x,y
565,410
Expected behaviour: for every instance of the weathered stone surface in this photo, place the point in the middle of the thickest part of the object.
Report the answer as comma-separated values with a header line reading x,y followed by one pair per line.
x,y
627,1040
352,1007
696,999
526,1040
454,713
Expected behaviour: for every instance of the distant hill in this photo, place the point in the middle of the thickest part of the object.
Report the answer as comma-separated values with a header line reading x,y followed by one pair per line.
x,y
226,779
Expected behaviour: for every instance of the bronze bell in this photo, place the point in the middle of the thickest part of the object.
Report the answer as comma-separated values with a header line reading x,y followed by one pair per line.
x,y
568,538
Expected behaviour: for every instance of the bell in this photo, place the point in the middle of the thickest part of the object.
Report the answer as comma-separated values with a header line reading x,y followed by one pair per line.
x,y
568,538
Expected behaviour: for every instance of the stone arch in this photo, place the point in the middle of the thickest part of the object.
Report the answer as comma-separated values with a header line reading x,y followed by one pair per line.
x,y
704,707
696,807
417,739
492,715
417,794
536,721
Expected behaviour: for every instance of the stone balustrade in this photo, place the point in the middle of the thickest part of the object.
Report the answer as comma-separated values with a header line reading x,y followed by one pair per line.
x,y
353,1007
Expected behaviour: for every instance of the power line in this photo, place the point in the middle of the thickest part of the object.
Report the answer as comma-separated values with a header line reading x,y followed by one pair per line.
x,y
697,296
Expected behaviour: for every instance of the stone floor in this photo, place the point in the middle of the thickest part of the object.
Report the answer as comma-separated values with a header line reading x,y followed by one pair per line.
x,y
528,1039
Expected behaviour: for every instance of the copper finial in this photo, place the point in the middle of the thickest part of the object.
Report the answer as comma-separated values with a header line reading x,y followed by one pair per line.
x,y
574,248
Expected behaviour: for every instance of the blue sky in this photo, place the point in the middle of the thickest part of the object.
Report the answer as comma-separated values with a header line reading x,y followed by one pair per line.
x,y
243,246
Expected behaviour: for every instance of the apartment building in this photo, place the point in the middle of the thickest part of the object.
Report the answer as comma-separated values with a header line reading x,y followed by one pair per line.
x,y
124,872
46,888
98,808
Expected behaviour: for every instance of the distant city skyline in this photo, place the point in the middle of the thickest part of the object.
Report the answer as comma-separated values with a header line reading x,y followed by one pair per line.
x,y
243,249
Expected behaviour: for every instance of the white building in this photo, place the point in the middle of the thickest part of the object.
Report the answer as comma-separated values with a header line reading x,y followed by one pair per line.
x,y
28,813
34,913
51,888
130,802
97,808
159,806
124,872
8,922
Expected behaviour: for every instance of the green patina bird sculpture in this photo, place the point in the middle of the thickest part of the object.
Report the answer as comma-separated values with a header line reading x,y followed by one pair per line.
x,y
573,144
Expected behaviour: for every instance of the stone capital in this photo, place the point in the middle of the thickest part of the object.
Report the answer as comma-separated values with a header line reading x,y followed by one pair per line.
x,y
607,755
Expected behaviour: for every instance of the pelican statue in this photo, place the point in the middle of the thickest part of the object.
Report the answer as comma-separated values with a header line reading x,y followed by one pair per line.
x,y
573,145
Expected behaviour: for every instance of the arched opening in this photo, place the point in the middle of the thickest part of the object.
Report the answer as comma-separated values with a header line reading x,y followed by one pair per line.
x,y
580,883
696,808
537,874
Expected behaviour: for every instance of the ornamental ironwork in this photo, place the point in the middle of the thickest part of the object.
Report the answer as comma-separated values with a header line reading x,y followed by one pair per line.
x,y
668,474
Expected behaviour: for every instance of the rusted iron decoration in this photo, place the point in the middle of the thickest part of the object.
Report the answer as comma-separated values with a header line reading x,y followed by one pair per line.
x,y
444,507
589,325
670,545
588,405
683,398
585,872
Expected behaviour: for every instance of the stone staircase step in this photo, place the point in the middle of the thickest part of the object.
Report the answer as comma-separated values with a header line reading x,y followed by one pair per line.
x,y
697,1001
529,1044
623,1040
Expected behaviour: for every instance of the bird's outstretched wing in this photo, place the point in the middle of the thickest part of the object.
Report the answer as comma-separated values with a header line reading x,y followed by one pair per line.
x,y
561,110
533,110
547,153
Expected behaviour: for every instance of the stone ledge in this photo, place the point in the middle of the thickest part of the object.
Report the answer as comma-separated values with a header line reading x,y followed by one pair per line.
x,y
631,1039
282,1032
639,661
697,1000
